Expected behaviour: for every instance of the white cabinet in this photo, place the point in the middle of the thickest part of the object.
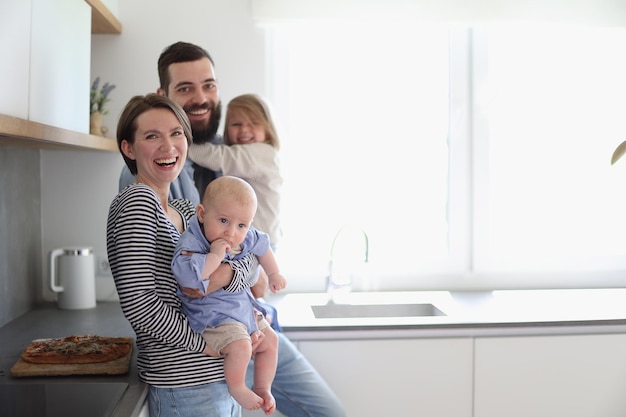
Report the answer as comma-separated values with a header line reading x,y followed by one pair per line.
x,y
46,50
547,376
60,64
517,376
397,377
15,52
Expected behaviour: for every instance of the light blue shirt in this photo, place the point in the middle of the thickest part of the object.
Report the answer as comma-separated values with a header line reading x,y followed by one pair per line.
x,y
218,307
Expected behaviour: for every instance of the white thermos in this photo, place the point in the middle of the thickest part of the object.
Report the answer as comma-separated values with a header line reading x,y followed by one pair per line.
x,y
72,277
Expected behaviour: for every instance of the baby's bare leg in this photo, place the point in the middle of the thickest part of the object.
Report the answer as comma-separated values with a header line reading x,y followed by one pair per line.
x,y
265,360
236,358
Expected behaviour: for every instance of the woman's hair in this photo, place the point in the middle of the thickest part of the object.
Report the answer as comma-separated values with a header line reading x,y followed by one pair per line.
x,y
175,53
253,108
127,125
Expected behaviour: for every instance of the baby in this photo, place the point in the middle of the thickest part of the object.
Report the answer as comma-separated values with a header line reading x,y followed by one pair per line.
x,y
220,232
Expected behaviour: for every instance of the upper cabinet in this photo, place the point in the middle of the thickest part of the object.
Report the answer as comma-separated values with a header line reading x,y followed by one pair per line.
x,y
15,49
48,42
60,64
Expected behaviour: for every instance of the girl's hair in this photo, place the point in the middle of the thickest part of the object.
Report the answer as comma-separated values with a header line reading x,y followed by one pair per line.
x,y
253,108
127,125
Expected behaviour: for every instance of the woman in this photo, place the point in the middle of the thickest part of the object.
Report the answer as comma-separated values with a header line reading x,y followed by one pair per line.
x,y
153,136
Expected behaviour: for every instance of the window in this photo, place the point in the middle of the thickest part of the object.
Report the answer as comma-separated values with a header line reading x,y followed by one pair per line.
x,y
548,117
469,157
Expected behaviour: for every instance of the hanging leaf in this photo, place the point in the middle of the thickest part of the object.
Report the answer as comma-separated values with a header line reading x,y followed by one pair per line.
x,y
619,151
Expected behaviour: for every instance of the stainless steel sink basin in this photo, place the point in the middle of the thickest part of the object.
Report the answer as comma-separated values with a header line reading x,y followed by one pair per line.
x,y
337,311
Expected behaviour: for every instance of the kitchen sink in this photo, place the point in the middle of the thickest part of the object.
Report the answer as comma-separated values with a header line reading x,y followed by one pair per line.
x,y
342,311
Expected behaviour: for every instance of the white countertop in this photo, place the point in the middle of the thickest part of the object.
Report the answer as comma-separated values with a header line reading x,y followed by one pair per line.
x,y
466,313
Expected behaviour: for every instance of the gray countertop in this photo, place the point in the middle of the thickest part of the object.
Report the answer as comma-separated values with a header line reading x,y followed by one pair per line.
x,y
48,321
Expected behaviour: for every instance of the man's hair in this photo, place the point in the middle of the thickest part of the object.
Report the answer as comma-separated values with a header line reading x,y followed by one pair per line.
x,y
175,53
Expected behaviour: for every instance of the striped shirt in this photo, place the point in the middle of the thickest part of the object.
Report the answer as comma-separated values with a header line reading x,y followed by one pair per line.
x,y
140,246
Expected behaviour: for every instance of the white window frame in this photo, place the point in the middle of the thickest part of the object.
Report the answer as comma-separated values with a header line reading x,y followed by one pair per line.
x,y
468,267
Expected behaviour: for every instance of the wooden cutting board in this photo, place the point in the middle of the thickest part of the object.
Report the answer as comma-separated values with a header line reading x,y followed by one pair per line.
x,y
116,367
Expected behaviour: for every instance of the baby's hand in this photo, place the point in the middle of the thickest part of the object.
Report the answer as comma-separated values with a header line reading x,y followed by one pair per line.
x,y
277,282
219,247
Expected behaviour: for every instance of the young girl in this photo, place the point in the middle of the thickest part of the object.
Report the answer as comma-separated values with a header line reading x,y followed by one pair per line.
x,y
250,152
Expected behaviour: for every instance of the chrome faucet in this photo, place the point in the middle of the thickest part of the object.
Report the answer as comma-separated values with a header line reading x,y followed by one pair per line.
x,y
340,273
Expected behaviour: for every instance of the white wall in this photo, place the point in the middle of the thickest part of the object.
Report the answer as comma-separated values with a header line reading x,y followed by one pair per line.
x,y
603,12
78,186
223,27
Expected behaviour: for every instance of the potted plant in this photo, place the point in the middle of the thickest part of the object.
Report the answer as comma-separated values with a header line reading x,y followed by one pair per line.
x,y
98,99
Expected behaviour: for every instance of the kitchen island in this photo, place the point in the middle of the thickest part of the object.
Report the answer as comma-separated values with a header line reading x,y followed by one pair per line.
x,y
538,353
490,351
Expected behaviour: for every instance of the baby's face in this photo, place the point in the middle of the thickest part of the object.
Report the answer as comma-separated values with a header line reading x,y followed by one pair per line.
x,y
228,220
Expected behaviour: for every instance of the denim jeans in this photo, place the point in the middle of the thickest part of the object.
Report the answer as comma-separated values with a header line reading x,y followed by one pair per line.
x,y
208,400
298,389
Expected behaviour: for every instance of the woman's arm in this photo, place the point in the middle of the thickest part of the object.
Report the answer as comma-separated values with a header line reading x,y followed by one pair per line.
x,y
246,271
139,249
223,278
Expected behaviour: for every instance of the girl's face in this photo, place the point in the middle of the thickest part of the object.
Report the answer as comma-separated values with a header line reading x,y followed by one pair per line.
x,y
160,147
244,130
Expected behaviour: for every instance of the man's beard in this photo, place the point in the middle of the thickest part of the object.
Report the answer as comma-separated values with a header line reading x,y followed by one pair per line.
x,y
202,134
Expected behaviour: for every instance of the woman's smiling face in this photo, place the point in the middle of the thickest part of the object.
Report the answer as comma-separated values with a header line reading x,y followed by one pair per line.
x,y
160,147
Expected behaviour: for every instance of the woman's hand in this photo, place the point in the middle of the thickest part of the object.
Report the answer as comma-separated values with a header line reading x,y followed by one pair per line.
x,y
192,292
256,338
210,352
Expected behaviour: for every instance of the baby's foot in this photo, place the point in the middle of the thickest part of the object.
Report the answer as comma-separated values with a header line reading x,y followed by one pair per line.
x,y
269,403
246,397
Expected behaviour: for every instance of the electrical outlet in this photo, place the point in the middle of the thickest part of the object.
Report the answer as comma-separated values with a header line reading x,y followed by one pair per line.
x,y
102,265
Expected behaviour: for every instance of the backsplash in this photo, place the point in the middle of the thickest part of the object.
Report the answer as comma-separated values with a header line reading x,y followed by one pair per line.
x,y
20,231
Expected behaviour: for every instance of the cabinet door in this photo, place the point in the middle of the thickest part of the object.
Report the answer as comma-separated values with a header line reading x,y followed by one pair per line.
x,y
397,377
547,376
60,64
15,52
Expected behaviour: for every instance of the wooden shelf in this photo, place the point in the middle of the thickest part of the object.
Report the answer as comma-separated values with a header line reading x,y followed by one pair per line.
x,y
102,20
24,133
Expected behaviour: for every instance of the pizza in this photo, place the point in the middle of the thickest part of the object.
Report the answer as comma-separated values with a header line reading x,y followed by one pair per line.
x,y
77,350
